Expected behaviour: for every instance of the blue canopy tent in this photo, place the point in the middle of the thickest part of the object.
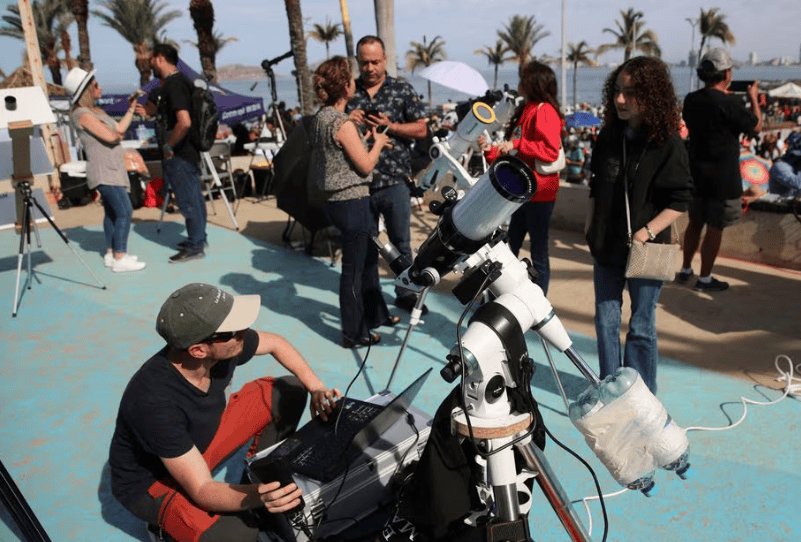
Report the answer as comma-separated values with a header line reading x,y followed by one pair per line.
x,y
232,108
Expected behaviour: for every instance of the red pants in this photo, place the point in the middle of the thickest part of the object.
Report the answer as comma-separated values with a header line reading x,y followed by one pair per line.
x,y
248,412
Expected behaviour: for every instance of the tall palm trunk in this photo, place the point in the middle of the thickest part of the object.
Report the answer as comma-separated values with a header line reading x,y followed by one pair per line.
x,y
80,10
142,54
385,25
298,43
202,13
52,61
343,7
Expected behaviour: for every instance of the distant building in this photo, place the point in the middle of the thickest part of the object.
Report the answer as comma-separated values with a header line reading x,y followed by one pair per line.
x,y
692,59
752,58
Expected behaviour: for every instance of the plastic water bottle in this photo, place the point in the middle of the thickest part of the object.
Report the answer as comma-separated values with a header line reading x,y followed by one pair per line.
x,y
672,435
586,402
615,385
141,132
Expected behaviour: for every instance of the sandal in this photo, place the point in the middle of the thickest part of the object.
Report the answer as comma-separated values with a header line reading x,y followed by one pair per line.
x,y
392,321
371,339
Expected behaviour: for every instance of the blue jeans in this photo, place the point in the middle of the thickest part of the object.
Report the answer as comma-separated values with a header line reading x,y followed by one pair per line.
x,y
184,179
117,222
533,217
641,352
393,204
361,303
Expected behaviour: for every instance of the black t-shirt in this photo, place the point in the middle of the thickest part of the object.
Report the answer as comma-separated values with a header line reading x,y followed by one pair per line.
x,y
172,96
715,121
162,414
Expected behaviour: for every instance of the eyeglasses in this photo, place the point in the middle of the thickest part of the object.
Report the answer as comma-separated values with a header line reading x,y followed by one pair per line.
x,y
223,336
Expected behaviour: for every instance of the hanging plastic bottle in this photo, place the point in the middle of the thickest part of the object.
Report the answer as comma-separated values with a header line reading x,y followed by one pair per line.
x,y
586,403
615,385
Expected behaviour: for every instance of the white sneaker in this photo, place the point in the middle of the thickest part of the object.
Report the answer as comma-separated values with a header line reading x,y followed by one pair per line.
x,y
127,263
108,258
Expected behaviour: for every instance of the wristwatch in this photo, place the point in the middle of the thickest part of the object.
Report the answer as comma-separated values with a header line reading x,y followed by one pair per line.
x,y
651,235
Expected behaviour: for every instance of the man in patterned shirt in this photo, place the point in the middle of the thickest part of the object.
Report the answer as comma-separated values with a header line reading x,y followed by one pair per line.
x,y
382,99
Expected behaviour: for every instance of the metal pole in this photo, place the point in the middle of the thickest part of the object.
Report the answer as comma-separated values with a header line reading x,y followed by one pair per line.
x,y
692,64
564,57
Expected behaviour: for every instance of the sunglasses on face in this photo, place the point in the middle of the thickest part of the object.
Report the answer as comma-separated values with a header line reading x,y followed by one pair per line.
x,y
223,336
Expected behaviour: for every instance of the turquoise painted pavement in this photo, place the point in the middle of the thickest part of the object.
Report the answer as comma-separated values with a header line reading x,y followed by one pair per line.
x,y
72,348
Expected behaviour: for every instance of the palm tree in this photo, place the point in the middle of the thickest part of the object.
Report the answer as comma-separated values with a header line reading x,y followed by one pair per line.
x,y
343,7
631,35
202,13
520,35
52,18
219,42
579,54
713,25
139,23
326,33
298,43
424,54
80,10
495,57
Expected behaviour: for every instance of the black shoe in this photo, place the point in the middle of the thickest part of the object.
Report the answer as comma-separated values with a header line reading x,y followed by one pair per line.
x,y
372,338
714,285
185,256
682,277
407,303
185,243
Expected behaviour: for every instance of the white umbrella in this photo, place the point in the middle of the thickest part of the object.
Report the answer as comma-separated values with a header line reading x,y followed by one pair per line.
x,y
788,90
456,75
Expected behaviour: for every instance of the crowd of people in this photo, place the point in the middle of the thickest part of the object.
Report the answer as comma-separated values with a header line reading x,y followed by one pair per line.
x,y
649,163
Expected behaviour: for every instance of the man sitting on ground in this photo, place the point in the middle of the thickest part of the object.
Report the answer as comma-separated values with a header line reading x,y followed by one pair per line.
x,y
178,419
785,175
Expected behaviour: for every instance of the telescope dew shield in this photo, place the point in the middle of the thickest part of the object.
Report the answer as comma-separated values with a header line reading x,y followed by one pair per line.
x,y
470,223
506,185
481,117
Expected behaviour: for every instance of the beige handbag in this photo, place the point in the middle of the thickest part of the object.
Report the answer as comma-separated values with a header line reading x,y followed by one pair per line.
x,y
549,168
657,261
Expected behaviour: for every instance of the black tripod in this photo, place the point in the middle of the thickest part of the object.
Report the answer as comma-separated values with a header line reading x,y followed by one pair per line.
x,y
28,201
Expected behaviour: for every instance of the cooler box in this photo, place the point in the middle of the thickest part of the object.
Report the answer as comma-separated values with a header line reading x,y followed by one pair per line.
x,y
367,485
73,182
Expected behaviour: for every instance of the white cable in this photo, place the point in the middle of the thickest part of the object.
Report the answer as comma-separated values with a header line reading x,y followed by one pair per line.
x,y
792,388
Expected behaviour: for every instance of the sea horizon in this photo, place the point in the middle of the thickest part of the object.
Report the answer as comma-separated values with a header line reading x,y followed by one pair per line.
x,y
589,83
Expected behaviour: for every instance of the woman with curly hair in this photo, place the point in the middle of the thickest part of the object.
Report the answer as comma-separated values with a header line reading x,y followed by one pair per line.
x,y
638,150
342,166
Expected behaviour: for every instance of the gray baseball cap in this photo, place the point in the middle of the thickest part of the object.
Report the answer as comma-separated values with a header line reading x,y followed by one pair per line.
x,y
196,311
719,58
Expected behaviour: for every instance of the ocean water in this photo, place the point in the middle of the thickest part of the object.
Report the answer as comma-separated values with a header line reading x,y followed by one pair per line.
x,y
589,83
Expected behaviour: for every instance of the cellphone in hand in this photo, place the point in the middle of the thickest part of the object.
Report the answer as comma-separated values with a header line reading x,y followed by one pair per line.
x,y
136,94
382,128
373,112
740,86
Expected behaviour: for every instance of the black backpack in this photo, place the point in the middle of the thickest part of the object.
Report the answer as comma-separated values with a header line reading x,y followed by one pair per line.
x,y
203,112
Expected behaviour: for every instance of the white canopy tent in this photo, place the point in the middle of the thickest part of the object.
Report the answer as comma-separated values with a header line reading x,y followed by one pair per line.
x,y
787,90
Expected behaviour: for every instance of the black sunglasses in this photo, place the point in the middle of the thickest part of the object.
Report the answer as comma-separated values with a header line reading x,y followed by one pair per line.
x,y
222,336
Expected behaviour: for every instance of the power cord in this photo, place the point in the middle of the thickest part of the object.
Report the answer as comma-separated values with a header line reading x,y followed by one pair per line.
x,y
792,388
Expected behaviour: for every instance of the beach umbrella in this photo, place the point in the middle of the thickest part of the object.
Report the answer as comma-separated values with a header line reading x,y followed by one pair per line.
x,y
754,170
788,90
581,119
456,75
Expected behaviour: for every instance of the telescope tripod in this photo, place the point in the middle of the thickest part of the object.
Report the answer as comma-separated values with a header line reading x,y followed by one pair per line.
x,y
28,222
497,436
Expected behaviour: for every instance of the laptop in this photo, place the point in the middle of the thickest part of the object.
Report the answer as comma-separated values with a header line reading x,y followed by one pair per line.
x,y
323,450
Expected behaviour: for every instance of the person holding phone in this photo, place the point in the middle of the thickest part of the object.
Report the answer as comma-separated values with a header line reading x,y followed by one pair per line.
x,y
382,100
715,119
343,166
100,136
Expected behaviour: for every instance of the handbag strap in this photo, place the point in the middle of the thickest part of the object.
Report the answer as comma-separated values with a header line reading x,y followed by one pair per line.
x,y
626,186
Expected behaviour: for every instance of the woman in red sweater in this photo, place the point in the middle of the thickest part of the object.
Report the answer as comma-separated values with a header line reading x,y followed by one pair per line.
x,y
535,132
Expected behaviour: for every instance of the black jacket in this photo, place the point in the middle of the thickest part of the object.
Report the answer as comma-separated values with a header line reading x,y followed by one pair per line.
x,y
658,178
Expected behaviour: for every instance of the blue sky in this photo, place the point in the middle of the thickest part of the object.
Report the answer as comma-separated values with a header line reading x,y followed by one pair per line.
x,y
768,28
